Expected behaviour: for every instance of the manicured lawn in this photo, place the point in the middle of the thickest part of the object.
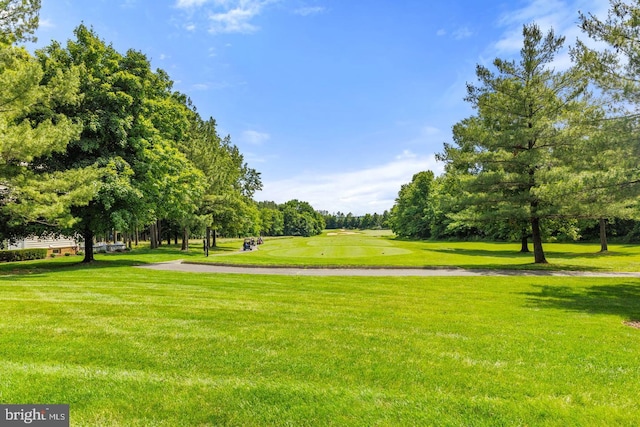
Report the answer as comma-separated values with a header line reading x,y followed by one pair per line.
x,y
380,248
132,347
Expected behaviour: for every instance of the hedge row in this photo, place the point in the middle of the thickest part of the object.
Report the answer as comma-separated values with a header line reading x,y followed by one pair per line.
x,y
22,255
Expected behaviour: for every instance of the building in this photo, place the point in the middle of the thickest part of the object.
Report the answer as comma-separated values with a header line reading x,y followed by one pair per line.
x,y
54,246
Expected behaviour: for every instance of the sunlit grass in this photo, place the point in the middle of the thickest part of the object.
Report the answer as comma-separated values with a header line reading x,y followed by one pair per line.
x,y
377,249
368,249
134,347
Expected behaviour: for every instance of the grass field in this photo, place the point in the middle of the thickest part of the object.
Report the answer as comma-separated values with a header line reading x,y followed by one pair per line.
x,y
380,248
131,347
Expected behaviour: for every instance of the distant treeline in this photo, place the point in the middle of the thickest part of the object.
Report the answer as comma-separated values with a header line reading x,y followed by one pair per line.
x,y
349,221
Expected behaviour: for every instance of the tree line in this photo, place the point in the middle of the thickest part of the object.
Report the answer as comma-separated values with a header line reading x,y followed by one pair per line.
x,y
546,154
93,140
368,221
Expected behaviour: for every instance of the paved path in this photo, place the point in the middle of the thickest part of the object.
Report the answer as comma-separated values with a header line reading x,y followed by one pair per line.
x,y
179,265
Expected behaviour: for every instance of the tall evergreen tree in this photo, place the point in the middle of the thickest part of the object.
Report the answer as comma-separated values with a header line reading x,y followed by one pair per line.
x,y
508,149
613,188
30,130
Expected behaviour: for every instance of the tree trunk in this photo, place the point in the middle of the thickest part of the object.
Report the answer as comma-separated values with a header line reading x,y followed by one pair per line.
x,y
214,237
208,236
88,245
153,235
185,239
538,252
158,234
524,241
604,247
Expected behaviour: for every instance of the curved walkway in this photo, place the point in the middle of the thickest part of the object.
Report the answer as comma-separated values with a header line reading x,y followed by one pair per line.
x,y
179,265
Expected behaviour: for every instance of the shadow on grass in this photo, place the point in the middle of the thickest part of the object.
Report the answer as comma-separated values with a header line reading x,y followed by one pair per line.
x,y
518,269
37,268
551,257
140,256
514,253
622,300
481,252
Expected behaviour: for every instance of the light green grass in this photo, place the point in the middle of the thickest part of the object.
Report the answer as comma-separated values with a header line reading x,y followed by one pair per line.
x,y
134,347
380,248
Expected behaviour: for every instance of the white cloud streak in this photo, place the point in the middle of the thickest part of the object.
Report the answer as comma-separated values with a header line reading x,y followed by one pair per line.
x,y
561,15
310,10
226,16
254,137
186,4
359,192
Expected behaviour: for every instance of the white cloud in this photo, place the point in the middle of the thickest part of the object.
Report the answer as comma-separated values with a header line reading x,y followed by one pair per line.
x,y
46,23
223,16
310,10
254,137
457,34
462,33
233,21
559,15
128,4
185,4
359,192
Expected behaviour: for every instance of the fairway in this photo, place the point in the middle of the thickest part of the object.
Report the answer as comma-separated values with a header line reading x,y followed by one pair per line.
x,y
335,247
382,249
131,347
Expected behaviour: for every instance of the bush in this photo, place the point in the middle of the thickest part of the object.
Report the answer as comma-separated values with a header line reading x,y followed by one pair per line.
x,y
22,255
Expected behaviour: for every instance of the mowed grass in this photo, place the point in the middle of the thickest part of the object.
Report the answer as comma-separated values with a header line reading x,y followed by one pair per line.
x,y
131,347
381,248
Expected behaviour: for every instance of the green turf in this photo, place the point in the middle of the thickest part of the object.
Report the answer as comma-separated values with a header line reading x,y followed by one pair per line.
x,y
380,248
132,347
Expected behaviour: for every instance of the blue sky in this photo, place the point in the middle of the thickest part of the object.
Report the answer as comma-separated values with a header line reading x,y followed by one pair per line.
x,y
335,102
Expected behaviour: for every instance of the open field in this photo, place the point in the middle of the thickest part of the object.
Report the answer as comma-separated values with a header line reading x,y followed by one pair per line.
x,y
380,248
131,347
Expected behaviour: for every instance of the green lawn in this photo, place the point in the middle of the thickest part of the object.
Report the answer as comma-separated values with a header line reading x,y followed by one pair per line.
x,y
380,248
134,347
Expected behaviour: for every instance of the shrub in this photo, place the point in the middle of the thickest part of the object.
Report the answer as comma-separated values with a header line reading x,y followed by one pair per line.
x,y
22,255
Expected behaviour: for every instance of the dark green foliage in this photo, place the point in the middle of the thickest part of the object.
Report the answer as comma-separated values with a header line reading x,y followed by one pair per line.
x,y
339,220
300,219
293,218
22,255
412,213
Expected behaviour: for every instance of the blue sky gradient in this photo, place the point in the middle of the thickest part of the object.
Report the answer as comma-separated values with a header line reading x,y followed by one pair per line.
x,y
337,103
